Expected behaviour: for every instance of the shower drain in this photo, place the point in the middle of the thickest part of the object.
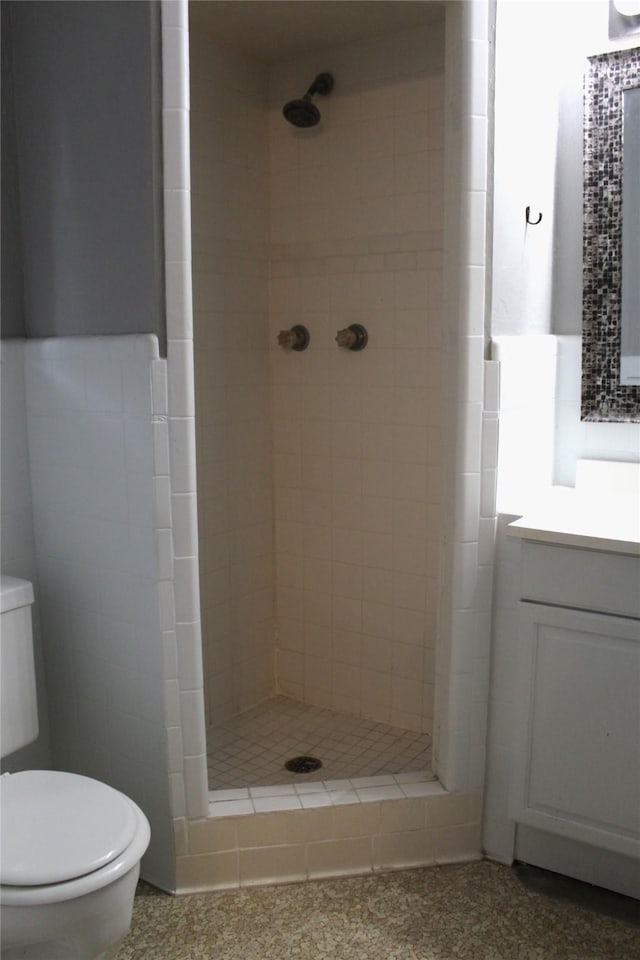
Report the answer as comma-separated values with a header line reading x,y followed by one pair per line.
x,y
303,764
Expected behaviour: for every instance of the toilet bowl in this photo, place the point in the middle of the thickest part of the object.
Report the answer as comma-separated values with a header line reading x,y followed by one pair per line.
x,y
70,846
71,850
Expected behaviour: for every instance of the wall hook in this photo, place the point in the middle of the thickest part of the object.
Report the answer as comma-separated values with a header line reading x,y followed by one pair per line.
x,y
532,223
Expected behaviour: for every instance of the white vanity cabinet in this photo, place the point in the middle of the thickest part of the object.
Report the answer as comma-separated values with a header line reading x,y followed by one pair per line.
x,y
578,737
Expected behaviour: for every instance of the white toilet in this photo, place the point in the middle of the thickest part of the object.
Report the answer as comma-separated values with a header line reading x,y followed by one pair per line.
x,y
70,846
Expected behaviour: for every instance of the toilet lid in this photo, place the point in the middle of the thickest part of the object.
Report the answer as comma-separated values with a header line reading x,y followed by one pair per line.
x,y
58,826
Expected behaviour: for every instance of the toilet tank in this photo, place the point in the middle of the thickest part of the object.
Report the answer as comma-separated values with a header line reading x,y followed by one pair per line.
x,y
18,705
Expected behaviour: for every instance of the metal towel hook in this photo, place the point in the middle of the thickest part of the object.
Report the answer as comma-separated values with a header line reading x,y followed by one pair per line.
x,y
532,223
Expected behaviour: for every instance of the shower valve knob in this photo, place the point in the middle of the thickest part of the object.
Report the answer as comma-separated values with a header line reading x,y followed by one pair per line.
x,y
297,338
354,337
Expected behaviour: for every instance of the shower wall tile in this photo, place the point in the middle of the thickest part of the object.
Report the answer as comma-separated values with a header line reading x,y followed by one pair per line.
x,y
229,157
356,234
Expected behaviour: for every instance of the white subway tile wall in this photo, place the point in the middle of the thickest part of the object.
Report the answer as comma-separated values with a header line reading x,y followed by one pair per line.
x,y
90,417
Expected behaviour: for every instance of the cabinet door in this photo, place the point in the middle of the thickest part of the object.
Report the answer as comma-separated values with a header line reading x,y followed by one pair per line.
x,y
578,737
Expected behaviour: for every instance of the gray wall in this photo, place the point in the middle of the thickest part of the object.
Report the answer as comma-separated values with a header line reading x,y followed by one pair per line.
x,y
85,81
13,323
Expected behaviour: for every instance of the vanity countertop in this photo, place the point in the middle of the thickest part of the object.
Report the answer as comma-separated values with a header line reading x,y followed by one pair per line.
x,y
602,512
566,517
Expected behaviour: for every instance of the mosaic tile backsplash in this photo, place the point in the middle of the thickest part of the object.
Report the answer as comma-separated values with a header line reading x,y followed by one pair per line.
x,y
603,398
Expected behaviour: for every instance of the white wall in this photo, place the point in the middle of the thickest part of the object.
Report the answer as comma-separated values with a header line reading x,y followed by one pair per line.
x,y
526,112
537,270
101,550
576,439
78,429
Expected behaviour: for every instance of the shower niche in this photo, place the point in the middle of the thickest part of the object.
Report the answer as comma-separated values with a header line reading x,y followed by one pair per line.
x,y
319,472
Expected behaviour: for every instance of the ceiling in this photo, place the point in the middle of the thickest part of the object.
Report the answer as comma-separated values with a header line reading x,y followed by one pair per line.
x,y
271,30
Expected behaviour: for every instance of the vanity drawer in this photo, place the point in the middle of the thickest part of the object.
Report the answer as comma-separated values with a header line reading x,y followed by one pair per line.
x,y
582,579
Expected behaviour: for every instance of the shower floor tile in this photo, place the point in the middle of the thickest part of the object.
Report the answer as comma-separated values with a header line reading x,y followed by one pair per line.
x,y
250,750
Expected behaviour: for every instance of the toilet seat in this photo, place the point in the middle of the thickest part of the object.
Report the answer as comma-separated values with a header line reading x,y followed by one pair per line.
x,y
58,827
12,895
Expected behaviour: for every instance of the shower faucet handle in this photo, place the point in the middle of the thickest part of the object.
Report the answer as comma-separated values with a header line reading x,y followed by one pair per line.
x,y
297,338
345,338
353,337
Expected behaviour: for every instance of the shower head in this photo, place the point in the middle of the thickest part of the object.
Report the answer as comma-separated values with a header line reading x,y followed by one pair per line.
x,y
303,112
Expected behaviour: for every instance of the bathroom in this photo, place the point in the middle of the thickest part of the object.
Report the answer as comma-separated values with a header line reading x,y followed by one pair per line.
x,y
135,680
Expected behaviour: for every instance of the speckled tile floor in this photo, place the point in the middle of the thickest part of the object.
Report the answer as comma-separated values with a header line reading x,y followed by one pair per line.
x,y
474,911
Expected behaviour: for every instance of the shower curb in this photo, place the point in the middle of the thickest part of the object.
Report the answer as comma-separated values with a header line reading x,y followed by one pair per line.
x,y
335,839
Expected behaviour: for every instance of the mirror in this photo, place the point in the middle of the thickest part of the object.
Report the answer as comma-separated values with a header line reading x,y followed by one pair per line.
x,y
630,317
611,240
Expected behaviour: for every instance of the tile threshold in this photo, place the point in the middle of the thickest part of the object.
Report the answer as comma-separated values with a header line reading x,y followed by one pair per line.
x,y
244,801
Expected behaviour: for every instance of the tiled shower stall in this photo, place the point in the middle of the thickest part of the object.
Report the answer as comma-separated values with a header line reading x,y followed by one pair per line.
x,y
345,501
322,467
